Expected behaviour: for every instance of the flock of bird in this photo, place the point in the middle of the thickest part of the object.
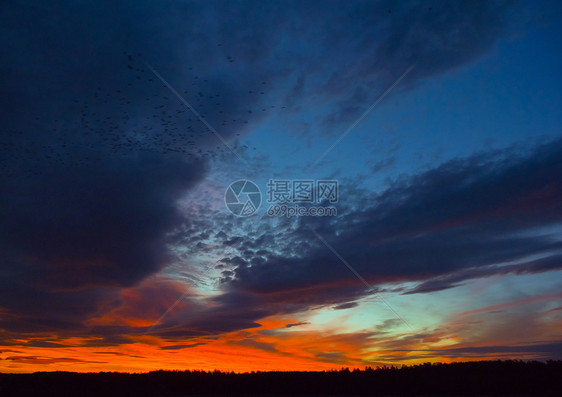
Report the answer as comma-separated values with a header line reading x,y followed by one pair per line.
x,y
140,115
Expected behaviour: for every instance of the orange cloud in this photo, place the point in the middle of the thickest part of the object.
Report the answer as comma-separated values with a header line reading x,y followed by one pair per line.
x,y
274,346
507,305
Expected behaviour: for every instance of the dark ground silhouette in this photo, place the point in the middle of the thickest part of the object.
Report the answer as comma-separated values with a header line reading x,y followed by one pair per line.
x,y
488,378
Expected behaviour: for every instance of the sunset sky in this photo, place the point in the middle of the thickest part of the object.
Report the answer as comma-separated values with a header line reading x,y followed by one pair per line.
x,y
124,124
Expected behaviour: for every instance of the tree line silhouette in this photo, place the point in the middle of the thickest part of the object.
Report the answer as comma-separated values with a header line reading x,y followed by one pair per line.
x,y
513,378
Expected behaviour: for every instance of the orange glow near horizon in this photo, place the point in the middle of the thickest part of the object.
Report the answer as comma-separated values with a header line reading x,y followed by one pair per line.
x,y
281,343
267,348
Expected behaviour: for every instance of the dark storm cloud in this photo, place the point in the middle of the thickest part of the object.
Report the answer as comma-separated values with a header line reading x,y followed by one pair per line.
x,y
89,177
451,280
464,219
65,56
95,151
494,213
458,221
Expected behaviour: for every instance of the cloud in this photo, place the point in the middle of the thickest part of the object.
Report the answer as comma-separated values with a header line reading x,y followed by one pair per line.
x,y
517,303
332,357
347,305
89,183
97,152
453,279
554,349
490,214
387,38
268,347
296,324
476,217
184,346
493,213
47,360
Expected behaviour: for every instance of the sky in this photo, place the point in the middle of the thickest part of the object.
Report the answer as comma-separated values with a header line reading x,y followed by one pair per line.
x,y
296,185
